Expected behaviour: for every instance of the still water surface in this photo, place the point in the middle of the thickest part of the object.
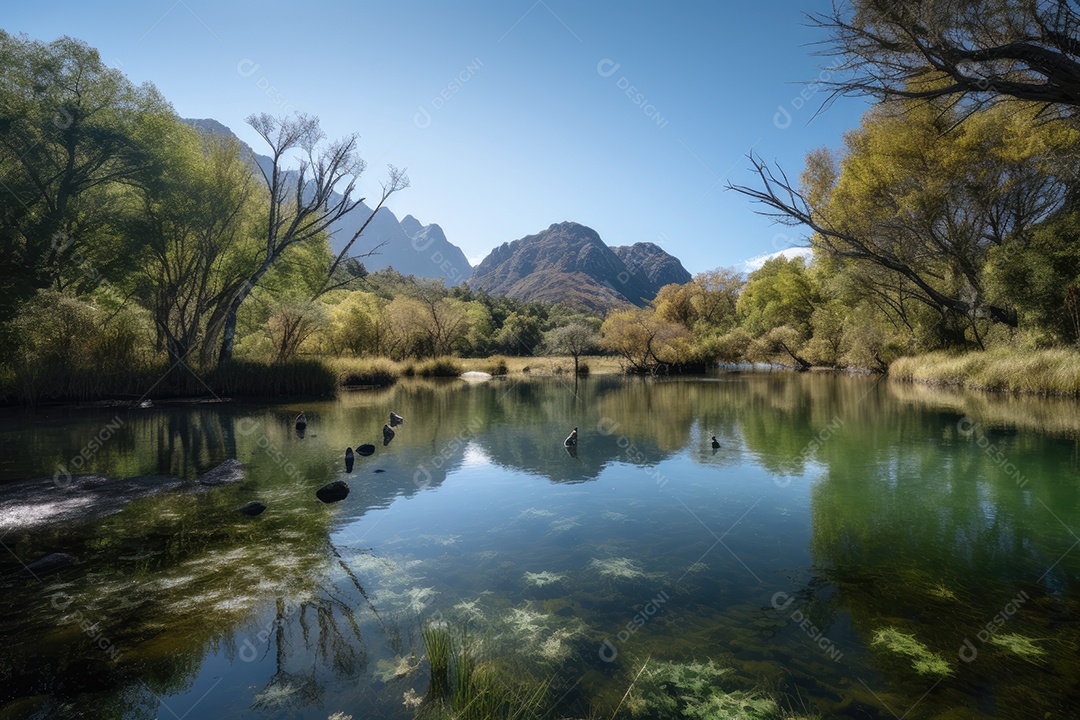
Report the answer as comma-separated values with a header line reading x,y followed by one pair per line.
x,y
837,511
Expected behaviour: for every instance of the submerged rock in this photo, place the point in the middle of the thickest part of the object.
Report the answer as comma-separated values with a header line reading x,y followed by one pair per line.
x,y
229,471
49,564
253,508
396,419
349,460
333,492
387,435
366,450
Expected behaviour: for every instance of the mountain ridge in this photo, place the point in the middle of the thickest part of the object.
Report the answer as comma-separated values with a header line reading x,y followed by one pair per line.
x,y
570,263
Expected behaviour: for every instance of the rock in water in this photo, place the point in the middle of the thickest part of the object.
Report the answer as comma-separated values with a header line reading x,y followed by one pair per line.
x,y
333,492
366,450
253,508
395,419
49,564
387,435
349,459
229,471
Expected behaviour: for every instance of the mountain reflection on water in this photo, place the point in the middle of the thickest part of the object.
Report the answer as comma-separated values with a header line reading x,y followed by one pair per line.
x,y
838,515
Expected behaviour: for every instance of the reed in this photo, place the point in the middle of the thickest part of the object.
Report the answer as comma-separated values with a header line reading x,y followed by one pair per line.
x,y
245,378
437,643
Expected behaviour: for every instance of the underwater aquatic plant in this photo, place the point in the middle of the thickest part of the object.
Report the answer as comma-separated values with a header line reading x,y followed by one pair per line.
x,y
923,660
1018,644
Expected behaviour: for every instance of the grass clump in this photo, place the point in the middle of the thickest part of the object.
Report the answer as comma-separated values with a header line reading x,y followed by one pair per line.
x,y
1018,645
437,642
361,372
438,367
1043,372
923,660
463,688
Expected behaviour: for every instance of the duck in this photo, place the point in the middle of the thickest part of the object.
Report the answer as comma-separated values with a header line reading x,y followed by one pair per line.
x,y
571,439
395,419
715,442
387,435
301,421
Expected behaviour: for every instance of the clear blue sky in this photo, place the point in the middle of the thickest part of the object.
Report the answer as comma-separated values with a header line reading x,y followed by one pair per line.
x,y
627,117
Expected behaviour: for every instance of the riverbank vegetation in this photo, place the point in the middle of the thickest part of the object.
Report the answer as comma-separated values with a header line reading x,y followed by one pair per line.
x,y
146,257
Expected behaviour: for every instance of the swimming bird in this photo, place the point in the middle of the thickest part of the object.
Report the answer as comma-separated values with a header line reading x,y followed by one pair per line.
x,y
715,442
349,459
395,419
387,435
571,439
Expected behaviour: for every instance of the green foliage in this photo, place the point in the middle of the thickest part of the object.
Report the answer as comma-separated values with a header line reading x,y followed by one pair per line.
x,y
65,348
778,293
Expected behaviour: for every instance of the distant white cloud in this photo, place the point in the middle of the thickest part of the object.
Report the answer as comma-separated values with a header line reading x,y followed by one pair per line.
x,y
474,261
755,262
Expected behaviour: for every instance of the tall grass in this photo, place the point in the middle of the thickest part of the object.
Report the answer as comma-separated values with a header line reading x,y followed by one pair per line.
x,y
358,372
463,688
245,378
1042,372
433,368
437,643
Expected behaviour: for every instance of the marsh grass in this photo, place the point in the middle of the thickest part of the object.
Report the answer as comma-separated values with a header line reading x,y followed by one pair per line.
x,y
245,378
1042,372
463,688
365,372
437,644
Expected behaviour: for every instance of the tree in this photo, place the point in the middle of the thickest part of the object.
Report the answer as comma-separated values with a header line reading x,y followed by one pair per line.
x,y
70,129
925,200
646,341
780,292
975,51
195,224
576,339
305,203
706,304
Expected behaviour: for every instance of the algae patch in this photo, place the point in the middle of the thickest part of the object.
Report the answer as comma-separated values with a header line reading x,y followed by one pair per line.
x,y
1019,645
923,660
541,579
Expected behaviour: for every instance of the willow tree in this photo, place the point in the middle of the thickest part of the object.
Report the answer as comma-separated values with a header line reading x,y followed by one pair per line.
x,y
71,129
925,199
974,52
196,225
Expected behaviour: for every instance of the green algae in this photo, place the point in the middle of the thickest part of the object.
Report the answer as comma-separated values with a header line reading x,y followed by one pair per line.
x,y
923,660
1019,645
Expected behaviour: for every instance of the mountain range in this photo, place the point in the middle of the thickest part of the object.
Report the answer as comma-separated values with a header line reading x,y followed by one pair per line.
x,y
569,263
566,263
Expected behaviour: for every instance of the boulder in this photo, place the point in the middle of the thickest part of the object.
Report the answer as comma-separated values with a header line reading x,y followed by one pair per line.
x,y
333,492
366,450
229,471
387,435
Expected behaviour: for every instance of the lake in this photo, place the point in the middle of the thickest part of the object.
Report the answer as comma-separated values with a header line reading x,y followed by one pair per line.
x,y
856,548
